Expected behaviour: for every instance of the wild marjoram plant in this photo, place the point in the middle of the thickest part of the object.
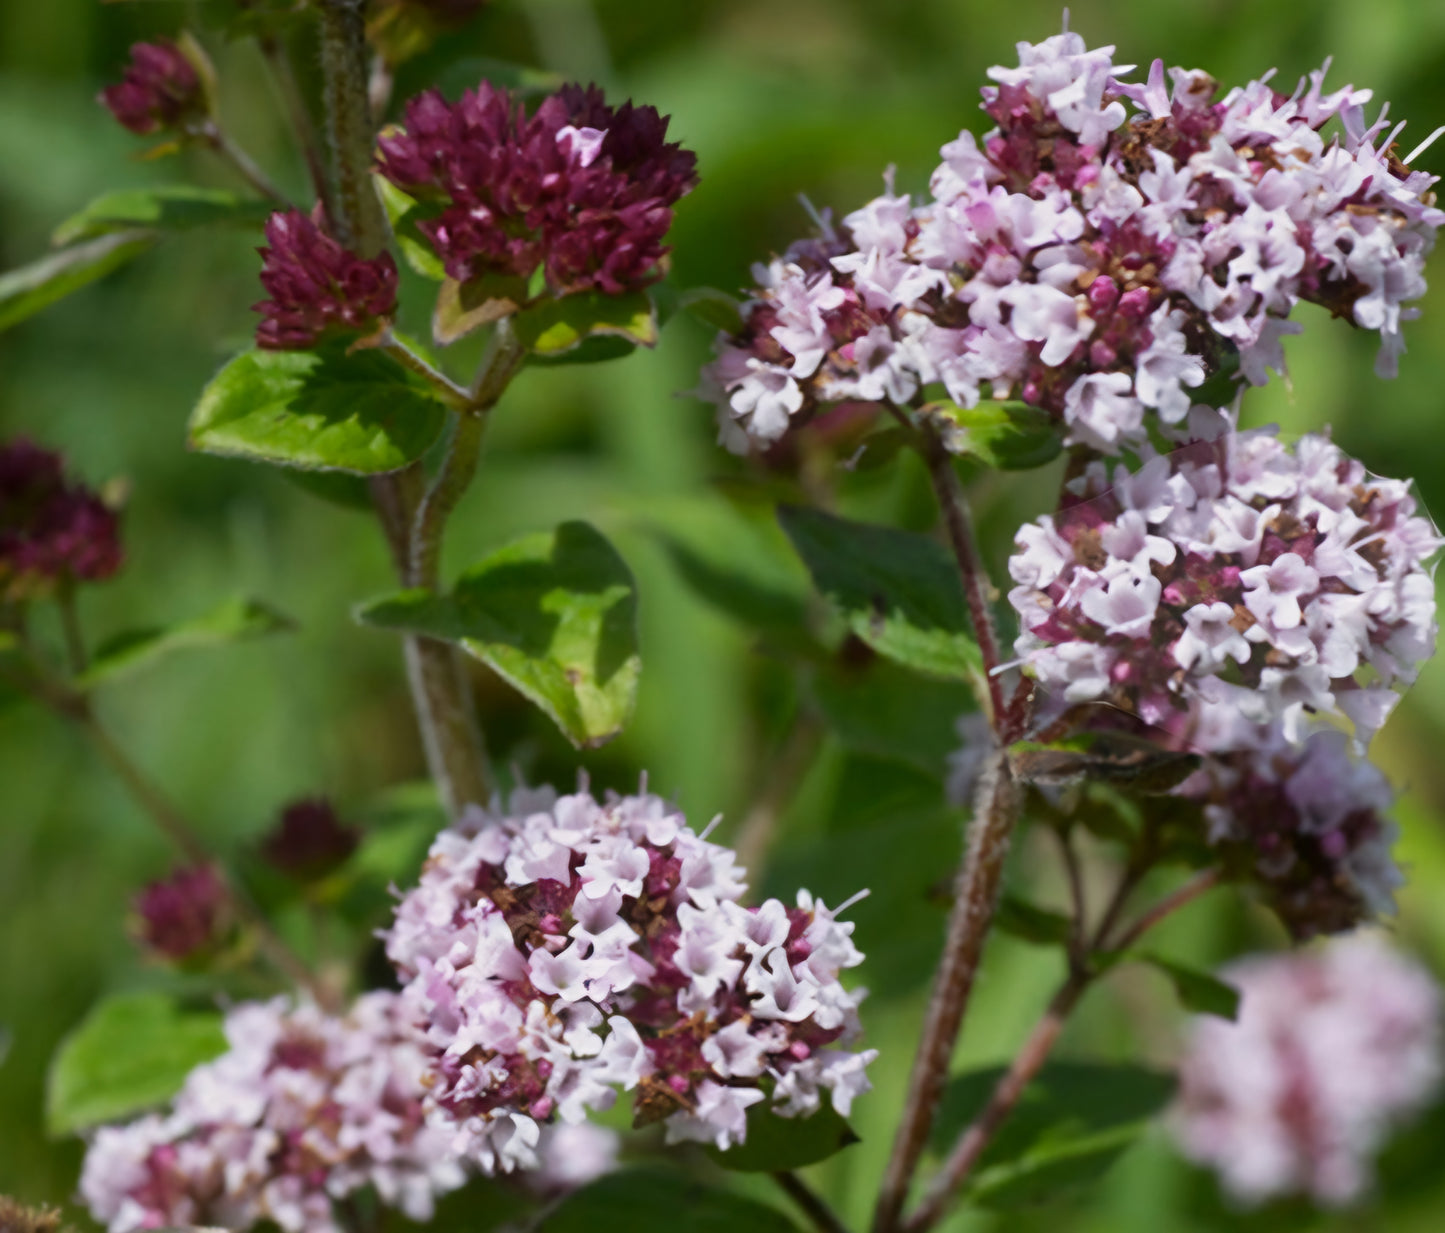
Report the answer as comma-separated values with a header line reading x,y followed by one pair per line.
x,y
1106,273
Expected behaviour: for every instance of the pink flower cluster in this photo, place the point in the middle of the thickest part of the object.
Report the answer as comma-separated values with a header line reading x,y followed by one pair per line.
x,y
568,946
1306,824
1230,584
1098,254
303,1109
579,189
51,531
317,287
160,89
1332,1048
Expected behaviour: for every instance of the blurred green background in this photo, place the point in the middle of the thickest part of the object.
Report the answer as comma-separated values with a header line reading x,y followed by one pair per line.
x,y
777,97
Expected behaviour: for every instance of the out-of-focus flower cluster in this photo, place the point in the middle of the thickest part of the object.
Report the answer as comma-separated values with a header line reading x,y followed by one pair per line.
x,y
309,840
318,287
580,190
568,946
159,90
1229,585
184,915
1333,1047
51,531
1306,823
1097,254
304,1109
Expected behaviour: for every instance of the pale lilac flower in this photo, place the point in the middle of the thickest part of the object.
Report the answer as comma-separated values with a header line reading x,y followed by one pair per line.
x,y
564,947
1333,1048
1229,584
303,1109
1094,263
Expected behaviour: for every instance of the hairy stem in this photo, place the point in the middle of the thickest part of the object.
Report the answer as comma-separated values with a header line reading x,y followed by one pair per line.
x,y
959,522
810,1202
450,734
1030,1059
447,390
996,807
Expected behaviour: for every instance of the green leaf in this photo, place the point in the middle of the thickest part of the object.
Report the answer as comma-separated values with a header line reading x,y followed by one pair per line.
x,y
1072,1121
1198,991
333,487
713,307
1009,435
172,207
555,614
775,1142
237,620
463,308
1033,924
887,711
133,1051
24,292
897,591
404,211
656,1200
318,410
558,326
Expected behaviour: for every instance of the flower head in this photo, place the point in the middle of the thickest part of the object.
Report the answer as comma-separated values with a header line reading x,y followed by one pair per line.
x,y
51,531
160,89
317,287
566,947
309,840
579,190
182,916
1332,1048
303,1109
1097,254
1227,585
1306,823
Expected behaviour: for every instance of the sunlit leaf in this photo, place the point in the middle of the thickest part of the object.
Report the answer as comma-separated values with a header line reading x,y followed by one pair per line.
x,y
1009,435
133,1051
237,620
555,614
24,292
556,327
172,207
325,410
463,308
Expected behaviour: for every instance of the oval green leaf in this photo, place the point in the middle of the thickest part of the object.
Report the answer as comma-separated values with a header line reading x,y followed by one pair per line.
x,y
318,410
1198,991
170,207
556,327
554,614
237,620
1011,436
132,1052
24,292
898,591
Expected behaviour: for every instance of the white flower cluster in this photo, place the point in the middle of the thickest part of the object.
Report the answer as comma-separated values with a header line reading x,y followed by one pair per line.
x,y
1095,263
1230,584
303,1109
1333,1047
565,947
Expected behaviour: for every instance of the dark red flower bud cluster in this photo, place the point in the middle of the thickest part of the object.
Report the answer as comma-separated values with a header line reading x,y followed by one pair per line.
x,y
317,286
183,915
579,189
309,840
50,530
160,89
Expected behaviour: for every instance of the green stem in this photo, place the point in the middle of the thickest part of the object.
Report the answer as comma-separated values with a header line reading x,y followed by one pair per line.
x,y
303,127
350,132
249,170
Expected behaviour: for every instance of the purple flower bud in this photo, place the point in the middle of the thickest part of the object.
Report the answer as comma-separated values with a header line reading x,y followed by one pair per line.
x,y
309,840
318,287
160,90
182,916
579,189
50,531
